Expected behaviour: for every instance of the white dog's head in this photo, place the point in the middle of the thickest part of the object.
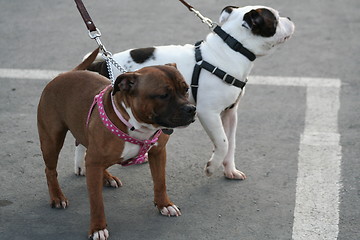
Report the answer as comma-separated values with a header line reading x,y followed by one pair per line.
x,y
260,29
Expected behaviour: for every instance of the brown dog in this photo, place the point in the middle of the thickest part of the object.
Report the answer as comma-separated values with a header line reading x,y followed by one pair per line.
x,y
148,100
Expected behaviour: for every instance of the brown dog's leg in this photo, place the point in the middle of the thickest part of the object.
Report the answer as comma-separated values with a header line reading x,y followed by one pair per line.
x,y
51,142
94,180
157,161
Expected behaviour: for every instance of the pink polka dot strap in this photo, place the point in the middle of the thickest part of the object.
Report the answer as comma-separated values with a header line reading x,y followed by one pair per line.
x,y
145,145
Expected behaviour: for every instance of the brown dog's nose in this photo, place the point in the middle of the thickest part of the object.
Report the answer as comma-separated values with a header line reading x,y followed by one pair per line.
x,y
189,109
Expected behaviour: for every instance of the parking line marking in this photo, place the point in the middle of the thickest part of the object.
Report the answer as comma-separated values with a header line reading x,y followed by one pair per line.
x,y
28,73
316,213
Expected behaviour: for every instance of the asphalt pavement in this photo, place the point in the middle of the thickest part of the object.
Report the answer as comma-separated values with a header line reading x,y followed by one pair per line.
x,y
310,82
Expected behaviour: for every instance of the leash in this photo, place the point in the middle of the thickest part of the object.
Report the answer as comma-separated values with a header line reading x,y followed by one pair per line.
x,y
94,33
203,19
227,38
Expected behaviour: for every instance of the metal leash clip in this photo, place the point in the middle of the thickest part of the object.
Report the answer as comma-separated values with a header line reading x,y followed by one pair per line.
x,y
94,33
96,36
203,19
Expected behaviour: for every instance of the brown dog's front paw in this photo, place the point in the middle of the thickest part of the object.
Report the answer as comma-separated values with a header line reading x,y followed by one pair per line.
x,y
111,181
60,202
170,211
100,235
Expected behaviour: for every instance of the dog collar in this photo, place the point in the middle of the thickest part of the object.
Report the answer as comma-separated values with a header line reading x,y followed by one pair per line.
x,y
167,131
234,44
145,145
118,114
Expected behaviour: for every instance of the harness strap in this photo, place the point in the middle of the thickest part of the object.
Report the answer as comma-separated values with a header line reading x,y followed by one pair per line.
x,y
211,68
145,145
234,44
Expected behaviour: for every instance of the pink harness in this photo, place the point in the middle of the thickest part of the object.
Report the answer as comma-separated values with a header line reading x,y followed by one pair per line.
x,y
145,145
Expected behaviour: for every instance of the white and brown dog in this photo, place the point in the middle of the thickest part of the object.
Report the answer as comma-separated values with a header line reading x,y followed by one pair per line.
x,y
222,64
117,125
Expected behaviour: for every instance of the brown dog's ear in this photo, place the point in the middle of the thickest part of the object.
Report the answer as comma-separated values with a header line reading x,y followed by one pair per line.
x,y
171,65
125,82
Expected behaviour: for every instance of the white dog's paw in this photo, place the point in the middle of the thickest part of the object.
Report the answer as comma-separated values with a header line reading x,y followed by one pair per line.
x,y
100,235
209,168
79,171
234,174
79,160
170,211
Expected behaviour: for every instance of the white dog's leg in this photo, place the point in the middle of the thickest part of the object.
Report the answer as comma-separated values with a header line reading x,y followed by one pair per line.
x,y
80,160
229,120
214,128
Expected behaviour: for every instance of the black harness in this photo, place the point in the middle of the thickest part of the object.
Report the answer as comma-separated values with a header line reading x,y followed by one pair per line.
x,y
200,63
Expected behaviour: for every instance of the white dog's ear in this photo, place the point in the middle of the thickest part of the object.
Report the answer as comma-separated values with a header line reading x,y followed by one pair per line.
x,y
225,13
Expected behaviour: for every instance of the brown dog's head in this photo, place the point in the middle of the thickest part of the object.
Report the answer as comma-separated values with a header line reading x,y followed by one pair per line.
x,y
157,95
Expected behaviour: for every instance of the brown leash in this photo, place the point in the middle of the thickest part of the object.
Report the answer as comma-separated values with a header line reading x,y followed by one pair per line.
x,y
85,15
95,34
187,5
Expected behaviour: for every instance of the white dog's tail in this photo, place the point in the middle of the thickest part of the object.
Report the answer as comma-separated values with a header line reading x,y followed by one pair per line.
x,y
88,60
98,58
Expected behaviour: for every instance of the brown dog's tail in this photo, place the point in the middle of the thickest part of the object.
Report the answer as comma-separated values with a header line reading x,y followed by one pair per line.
x,y
88,61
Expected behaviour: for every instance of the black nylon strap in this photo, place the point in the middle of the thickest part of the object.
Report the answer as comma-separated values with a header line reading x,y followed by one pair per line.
x,y
196,73
211,68
223,75
195,81
233,43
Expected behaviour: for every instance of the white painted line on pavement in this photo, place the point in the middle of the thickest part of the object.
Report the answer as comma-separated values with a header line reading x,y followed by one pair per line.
x,y
28,73
295,81
316,214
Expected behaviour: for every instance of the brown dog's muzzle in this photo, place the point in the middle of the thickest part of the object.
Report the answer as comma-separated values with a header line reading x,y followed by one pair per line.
x,y
180,116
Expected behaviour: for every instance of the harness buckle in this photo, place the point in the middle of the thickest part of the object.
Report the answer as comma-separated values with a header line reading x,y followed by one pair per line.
x,y
225,76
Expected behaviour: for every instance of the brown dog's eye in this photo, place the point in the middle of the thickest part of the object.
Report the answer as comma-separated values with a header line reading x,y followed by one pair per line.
x,y
163,96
